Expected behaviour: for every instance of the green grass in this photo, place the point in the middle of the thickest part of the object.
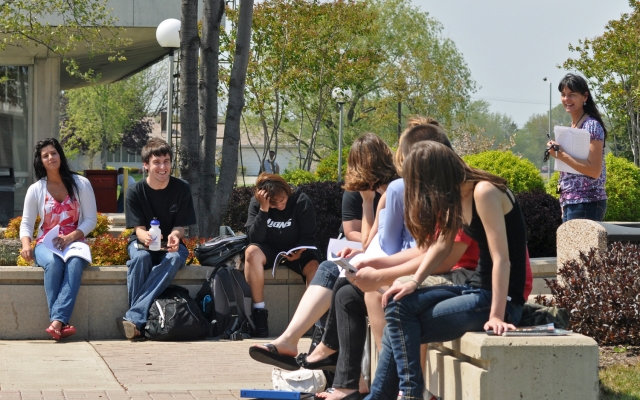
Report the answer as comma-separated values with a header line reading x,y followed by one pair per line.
x,y
620,382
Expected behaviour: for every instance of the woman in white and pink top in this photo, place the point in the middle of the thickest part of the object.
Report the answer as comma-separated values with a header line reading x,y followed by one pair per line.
x,y
59,197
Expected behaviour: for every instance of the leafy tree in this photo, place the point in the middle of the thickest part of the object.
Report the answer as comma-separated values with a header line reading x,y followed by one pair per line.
x,y
301,50
83,22
532,139
611,62
482,130
421,69
134,138
199,86
385,51
99,117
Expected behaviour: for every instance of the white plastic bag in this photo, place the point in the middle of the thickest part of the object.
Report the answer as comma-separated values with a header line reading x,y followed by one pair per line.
x,y
303,380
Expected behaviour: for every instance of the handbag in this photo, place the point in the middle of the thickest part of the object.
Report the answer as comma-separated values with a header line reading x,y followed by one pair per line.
x,y
303,380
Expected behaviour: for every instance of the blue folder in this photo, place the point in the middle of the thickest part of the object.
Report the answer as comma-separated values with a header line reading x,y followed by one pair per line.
x,y
273,394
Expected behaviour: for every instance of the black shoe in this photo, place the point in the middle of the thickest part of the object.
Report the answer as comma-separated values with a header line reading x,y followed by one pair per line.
x,y
260,318
327,364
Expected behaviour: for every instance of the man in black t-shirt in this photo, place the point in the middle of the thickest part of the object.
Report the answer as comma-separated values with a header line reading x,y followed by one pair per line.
x,y
167,199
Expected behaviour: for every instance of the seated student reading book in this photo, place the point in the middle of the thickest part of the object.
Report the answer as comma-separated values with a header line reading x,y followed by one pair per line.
x,y
280,218
75,249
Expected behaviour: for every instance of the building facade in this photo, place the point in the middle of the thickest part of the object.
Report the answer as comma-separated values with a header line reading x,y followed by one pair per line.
x,y
30,94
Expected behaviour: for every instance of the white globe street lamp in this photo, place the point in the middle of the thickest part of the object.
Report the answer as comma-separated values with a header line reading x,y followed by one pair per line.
x,y
168,36
341,96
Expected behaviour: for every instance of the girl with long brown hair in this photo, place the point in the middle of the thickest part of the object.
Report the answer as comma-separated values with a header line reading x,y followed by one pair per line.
x,y
442,195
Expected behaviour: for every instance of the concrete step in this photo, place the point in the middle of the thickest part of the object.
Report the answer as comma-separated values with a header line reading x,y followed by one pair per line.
x,y
117,219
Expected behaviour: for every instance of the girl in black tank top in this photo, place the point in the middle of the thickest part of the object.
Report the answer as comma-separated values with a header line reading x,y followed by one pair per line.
x,y
442,195
516,240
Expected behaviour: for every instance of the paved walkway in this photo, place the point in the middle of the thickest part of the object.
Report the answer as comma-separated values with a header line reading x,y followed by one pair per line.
x,y
121,370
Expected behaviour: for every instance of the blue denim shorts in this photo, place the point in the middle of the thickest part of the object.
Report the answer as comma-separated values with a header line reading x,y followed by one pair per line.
x,y
326,275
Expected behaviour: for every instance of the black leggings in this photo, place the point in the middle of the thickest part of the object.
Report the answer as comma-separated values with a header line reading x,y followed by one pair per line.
x,y
346,332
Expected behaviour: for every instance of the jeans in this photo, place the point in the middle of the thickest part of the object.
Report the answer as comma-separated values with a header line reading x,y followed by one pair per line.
x,y
433,314
61,282
326,277
594,211
149,274
346,332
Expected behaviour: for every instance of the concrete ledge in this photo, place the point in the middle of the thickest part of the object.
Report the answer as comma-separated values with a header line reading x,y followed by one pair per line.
x,y
103,298
478,366
542,268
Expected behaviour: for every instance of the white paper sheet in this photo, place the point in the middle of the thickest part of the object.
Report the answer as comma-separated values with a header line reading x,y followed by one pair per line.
x,y
335,245
574,142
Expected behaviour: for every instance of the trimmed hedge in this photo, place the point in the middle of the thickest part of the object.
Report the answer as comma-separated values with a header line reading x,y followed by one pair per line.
x,y
327,169
622,186
542,217
521,174
623,189
299,176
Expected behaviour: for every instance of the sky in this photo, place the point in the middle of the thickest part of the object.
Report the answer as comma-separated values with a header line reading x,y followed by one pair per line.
x,y
511,45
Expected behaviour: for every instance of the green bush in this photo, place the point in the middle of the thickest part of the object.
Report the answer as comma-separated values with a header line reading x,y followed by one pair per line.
x,y
552,185
623,189
622,186
299,176
521,174
328,167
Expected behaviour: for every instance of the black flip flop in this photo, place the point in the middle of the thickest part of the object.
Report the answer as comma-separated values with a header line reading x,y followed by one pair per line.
x,y
272,357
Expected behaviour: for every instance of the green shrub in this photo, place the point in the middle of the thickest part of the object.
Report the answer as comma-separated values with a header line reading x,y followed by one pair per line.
x,y
542,217
622,186
521,174
623,189
552,185
299,176
110,168
327,169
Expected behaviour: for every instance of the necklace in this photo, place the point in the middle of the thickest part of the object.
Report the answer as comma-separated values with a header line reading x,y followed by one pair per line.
x,y
54,190
576,124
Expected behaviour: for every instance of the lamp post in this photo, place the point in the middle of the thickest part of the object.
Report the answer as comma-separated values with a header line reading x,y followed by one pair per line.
x,y
168,36
549,160
341,96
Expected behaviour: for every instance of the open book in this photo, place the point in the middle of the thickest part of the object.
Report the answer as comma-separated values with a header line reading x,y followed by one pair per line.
x,y
281,255
538,330
75,249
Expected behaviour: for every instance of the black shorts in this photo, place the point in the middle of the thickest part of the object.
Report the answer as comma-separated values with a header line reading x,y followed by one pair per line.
x,y
296,266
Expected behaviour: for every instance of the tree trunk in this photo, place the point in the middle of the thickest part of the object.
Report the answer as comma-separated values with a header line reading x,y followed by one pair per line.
x,y
235,105
208,102
189,160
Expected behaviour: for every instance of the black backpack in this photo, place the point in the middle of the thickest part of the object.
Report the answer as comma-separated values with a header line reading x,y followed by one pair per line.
x,y
175,316
220,249
225,300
